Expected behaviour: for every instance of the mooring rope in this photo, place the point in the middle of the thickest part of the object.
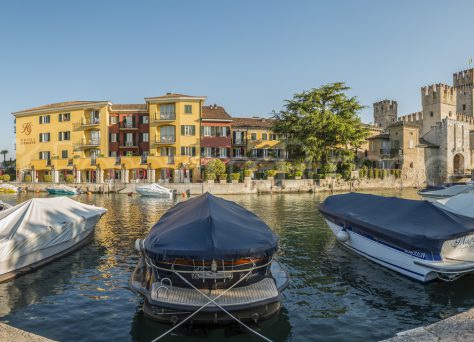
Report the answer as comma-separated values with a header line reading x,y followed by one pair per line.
x,y
201,308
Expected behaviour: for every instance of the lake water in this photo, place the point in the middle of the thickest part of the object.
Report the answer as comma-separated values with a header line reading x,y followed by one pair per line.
x,y
334,295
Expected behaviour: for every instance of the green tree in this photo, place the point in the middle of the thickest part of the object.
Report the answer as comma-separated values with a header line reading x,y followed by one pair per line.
x,y
4,152
321,123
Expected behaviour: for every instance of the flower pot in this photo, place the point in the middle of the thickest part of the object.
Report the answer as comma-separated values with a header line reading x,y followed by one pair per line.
x,y
234,181
210,181
297,177
223,181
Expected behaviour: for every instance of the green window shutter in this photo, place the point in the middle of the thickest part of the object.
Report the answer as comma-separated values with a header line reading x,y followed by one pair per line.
x,y
193,130
193,151
182,129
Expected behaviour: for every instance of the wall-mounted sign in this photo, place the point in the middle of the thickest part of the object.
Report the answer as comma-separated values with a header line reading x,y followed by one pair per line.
x,y
27,141
26,128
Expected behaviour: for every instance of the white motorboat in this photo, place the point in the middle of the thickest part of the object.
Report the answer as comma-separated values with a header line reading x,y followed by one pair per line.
x,y
8,188
61,190
435,194
41,230
419,239
156,190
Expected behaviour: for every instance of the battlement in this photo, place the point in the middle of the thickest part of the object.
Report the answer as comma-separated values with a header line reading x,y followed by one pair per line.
x,y
465,118
462,78
385,106
413,117
438,93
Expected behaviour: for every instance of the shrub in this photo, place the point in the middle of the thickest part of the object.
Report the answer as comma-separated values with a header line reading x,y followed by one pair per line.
x,y
248,173
372,174
210,175
298,173
27,178
386,173
270,173
47,178
222,176
215,166
6,178
69,178
235,176
398,173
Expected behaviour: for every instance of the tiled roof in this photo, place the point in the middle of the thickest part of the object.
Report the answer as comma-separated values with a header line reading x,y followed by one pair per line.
x,y
61,104
264,123
215,112
173,95
425,143
128,107
379,136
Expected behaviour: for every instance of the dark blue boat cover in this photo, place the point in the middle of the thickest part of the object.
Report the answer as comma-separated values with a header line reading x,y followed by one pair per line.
x,y
208,227
409,224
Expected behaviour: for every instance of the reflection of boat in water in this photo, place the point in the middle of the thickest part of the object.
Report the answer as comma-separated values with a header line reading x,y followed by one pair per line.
x,y
61,190
419,239
8,188
155,190
208,254
41,230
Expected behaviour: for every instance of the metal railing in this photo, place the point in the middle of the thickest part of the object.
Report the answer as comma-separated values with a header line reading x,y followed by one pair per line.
x,y
165,117
165,139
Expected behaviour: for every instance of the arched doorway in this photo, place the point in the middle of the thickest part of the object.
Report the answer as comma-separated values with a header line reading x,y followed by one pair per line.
x,y
458,164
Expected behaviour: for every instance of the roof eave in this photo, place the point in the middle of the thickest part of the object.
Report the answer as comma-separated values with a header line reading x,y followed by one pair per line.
x,y
61,108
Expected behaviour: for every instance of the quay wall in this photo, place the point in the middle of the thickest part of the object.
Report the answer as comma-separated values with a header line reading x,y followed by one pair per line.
x,y
248,186
9,333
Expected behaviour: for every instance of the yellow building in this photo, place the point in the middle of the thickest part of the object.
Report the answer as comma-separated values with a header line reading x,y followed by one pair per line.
x,y
94,141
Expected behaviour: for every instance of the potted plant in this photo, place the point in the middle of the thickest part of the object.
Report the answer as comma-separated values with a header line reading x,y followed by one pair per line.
x,y
47,178
210,177
27,178
270,174
69,178
298,174
222,178
235,177
248,174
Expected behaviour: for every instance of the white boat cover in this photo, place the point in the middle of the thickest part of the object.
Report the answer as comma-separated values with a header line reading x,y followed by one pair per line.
x,y
8,187
155,188
40,223
450,191
462,204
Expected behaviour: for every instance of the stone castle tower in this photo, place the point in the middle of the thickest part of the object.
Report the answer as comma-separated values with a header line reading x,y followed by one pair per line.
x,y
439,102
385,113
463,81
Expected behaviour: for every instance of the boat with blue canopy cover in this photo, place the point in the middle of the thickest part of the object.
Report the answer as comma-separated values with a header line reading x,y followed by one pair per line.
x,y
208,228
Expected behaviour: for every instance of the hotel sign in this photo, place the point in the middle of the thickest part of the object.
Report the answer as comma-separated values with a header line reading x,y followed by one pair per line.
x,y
26,130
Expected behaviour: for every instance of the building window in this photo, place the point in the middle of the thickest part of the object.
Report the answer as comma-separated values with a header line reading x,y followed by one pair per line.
x,y
145,137
431,114
113,120
44,137
44,119
265,137
188,109
64,136
64,117
44,155
113,154
188,151
113,137
273,136
145,119
167,112
410,143
206,152
188,130
64,154
167,134
222,152
463,107
253,136
237,153
128,122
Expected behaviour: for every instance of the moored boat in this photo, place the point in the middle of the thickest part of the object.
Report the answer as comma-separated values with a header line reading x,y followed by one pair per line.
x,y
155,190
41,230
419,239
8,188
209,254
435,193
61,190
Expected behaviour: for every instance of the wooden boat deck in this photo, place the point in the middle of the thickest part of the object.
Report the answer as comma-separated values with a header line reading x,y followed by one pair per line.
x,y
257,292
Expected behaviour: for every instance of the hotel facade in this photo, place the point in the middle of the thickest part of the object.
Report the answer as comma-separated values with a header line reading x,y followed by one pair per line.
x,y
168,138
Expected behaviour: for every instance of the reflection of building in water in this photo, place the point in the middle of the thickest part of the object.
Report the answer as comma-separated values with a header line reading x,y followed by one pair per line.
x,y
434,144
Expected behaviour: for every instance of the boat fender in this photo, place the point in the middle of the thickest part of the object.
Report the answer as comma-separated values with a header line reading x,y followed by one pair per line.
x,y
255,317
342,236
138,245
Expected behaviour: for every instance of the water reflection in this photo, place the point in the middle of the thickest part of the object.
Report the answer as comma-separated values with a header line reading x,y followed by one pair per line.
x,y
334,294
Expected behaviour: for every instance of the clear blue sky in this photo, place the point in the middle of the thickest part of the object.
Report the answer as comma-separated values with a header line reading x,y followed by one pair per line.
x,y
245,55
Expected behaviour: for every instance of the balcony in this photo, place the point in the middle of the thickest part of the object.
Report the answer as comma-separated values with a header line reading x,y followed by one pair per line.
x,y
164,117
391,152
129,144
165,140
239,142
131,126
86,144
87,123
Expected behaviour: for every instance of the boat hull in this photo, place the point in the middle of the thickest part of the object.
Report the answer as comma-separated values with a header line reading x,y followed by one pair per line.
x,y
29,262
145,192
384,255
60,192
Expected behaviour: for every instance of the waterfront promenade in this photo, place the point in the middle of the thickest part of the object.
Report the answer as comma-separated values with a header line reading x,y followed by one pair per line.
x,y
9,333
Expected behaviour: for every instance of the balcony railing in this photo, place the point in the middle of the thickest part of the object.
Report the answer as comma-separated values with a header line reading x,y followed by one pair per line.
x,y
87,143
166,139
85,122
239,141
391,152
128,125
165,117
